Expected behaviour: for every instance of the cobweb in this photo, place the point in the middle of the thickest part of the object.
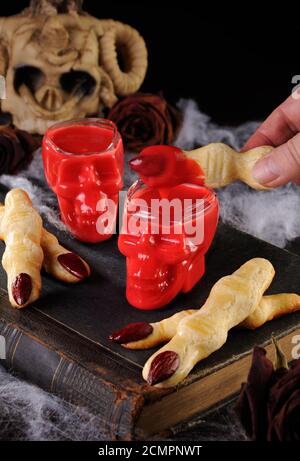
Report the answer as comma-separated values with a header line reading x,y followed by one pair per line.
x,y
27,412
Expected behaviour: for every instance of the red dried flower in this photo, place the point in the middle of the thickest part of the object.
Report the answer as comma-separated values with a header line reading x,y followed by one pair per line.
x,y
269,403
16,147
145,119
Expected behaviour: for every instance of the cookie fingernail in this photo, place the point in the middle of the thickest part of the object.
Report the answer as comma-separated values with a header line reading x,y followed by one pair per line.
x,y
21,288
132,332
73,264
163,367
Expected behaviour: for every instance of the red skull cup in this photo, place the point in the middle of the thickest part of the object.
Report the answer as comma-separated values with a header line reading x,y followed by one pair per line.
x,y
169,222
83,163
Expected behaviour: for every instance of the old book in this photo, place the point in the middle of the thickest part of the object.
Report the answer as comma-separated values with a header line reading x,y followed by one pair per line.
x,y
60,343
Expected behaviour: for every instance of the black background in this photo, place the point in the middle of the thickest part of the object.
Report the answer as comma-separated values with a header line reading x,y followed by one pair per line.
x,y
237,63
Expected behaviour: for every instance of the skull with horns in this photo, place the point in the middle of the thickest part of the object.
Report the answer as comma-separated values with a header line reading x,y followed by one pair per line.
x,y
61,63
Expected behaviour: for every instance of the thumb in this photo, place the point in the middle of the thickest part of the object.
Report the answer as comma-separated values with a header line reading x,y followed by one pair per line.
x,y
279,166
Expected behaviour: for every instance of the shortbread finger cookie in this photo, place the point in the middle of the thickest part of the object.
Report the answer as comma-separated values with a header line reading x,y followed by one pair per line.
x,y
58,261
21,228
232,299
222,165
216,165
143,335
271,307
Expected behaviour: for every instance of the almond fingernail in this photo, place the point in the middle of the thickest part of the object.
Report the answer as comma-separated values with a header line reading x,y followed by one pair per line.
x,y
21,288
162,367
73,264
132,332
151,165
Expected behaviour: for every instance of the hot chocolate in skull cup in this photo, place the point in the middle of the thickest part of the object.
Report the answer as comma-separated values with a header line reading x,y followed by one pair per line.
x,y
166,255
83,163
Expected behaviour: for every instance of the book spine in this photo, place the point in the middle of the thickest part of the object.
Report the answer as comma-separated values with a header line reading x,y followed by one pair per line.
x,y
55,372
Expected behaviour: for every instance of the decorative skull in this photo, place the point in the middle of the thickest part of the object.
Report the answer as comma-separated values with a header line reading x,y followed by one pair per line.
x,y
163,261
61,63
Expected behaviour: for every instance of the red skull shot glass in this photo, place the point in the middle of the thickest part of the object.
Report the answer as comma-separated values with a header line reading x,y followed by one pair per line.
x,y
83,163
165,240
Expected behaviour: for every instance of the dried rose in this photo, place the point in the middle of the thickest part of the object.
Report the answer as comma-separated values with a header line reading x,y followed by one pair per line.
x,y
269,403
145,119
16,147
284,407
251,405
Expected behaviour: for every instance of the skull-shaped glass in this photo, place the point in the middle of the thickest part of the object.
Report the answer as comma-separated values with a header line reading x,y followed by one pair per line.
x,y
83,163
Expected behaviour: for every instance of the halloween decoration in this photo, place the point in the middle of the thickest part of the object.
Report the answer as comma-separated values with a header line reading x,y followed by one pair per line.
x,y
232,299
220,165
268,406
83,163
29,247
192,335
164,262
21,228
235,300
166,256
223,165
143,335
58,261
61,63
16,147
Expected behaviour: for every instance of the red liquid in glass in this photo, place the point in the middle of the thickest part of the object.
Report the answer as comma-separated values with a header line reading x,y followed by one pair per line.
x,y
82,139
83,162
167,259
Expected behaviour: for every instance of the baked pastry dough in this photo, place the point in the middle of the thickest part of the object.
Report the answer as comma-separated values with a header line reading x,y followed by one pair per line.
x,y
162,331
21,228
232,299
53,252
222,165
195,334
270,307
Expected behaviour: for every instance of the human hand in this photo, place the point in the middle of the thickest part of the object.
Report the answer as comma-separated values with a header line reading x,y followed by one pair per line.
x,y
281,130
